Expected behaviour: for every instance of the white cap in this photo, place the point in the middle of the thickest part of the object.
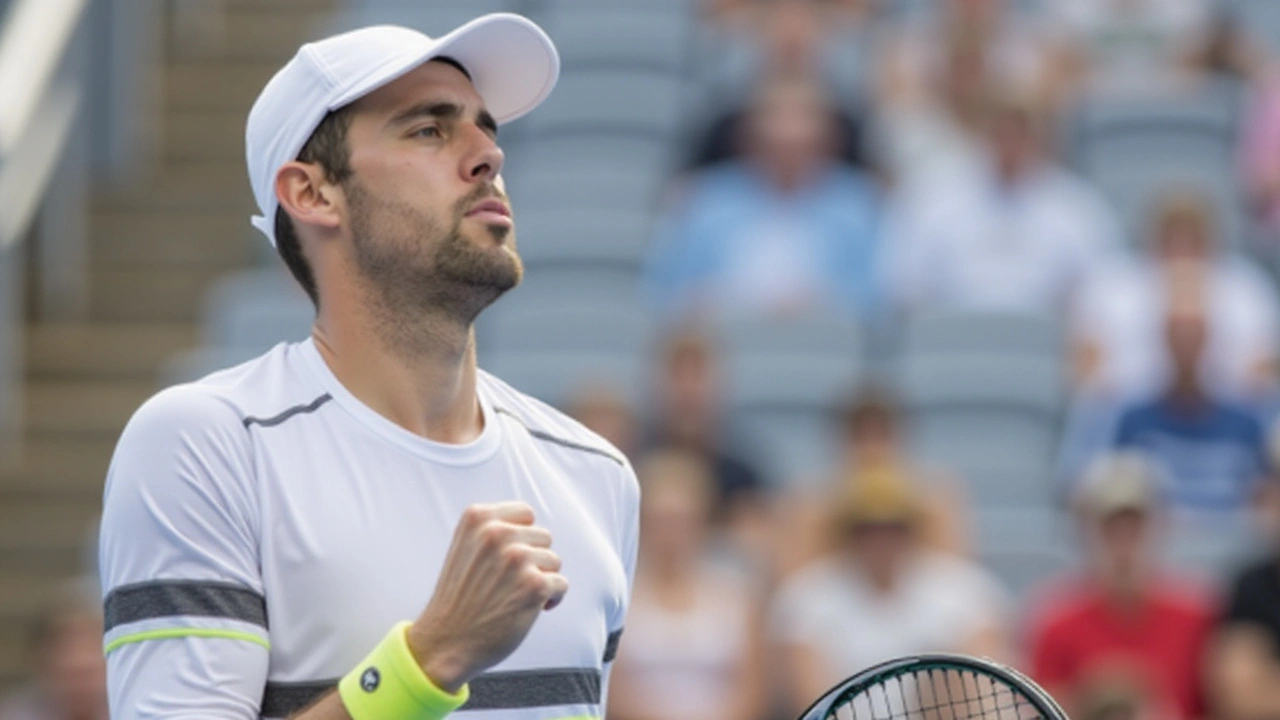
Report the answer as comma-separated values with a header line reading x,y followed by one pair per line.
x,y
1120,481
512,63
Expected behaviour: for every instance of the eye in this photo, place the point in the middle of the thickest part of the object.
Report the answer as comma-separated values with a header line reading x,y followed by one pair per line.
x,y
429,131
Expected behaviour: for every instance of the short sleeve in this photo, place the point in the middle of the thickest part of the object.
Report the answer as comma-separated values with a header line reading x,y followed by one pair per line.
x,y
185,611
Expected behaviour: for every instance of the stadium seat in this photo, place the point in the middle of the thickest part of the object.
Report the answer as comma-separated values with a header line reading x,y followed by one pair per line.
x,y
784,379
590,326
255,309
433,17
983,332
587,186
985,394
1024,548
586,236
624,101
620,35
646,155
554,376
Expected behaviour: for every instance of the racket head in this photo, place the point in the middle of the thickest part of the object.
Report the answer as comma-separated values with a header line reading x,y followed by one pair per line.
x,y
936,686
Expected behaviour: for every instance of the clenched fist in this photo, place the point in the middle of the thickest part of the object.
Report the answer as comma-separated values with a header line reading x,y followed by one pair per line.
x,y
499,574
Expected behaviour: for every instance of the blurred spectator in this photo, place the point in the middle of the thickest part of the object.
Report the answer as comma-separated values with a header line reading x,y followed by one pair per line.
x,y
1244,667
940,125
606,412
914,60
69,671
1210,447
1014,232
1121,633
1118,321
874,450
881,594
786,229
1130,46
744,41
689,417
694,638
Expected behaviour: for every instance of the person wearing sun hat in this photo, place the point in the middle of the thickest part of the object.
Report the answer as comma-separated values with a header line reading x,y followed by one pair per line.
x,y
881,593
359,525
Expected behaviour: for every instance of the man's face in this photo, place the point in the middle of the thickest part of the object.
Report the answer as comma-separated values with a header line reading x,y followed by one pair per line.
x,y
430,223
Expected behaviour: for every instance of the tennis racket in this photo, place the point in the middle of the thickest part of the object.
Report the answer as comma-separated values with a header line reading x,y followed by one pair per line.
x,y
936,687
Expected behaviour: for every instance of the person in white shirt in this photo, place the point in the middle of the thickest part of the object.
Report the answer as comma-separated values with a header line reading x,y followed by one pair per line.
x,y
1013,232
1118,319
880,594
369,490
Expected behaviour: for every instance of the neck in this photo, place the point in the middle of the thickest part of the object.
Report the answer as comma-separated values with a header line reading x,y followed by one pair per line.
x,y
419,372
1185,391
1123,589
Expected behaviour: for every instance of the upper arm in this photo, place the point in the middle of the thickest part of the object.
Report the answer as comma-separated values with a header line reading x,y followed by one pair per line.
x,y
185,610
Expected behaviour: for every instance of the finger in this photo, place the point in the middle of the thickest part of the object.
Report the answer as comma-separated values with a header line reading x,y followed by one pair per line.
x,y
545,560
533,536
556,587
515,512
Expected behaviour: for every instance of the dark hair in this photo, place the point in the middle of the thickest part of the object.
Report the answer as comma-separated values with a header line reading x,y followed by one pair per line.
x,y
327,147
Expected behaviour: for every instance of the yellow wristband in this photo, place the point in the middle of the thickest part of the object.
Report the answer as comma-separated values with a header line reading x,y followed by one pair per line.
x,y
390,685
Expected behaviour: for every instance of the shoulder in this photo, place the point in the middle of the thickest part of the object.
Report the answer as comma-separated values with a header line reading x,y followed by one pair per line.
x,y
546,424
223,405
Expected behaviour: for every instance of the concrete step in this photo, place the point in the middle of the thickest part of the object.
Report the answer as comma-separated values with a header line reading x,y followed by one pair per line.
x,y
84,408
226,87
108,351
205,185
59,467
149,295
203,135
212,240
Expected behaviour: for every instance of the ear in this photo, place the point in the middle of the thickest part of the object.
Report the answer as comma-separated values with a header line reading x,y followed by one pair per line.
x,y
308,197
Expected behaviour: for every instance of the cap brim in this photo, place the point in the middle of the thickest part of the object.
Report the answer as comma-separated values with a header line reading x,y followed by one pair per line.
x,y
512,63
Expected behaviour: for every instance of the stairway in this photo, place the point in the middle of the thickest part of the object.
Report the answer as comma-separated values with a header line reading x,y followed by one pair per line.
x,y
155,249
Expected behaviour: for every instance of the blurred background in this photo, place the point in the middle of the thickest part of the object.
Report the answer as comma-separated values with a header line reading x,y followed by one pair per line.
x,y
929,325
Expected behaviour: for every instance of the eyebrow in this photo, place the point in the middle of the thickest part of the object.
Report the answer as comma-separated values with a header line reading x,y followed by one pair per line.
x,y
445,111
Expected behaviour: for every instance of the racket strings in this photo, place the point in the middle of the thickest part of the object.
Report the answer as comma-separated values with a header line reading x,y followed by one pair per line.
x,y
938,695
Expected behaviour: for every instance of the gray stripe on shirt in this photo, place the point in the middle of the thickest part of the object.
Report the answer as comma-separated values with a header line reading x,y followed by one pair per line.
x,y
174,598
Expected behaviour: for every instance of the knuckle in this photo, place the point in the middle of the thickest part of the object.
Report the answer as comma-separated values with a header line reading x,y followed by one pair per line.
x,y
513,556
475,515
494,534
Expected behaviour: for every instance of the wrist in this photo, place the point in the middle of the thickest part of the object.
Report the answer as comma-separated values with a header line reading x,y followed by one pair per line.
x,y
390,684
441,666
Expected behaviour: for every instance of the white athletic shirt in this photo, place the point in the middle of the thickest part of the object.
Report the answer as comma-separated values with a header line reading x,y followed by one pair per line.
x,y
263,530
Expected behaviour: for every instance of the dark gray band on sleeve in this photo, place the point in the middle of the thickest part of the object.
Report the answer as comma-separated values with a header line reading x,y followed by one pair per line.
x,y
173,598
611,645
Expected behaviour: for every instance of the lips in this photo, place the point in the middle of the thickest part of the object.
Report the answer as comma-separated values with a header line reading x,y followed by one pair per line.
x,y
492,205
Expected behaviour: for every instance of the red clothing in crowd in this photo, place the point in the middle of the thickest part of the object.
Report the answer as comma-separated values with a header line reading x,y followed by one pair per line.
x,y
1080,638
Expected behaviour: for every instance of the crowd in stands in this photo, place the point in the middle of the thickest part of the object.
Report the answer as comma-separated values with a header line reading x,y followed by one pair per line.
x,y
891,161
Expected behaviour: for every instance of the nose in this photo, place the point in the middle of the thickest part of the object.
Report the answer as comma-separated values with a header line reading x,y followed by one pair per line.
x,y
484,162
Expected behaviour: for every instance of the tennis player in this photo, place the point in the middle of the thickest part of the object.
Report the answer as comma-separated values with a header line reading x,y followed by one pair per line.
x,y
363,524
